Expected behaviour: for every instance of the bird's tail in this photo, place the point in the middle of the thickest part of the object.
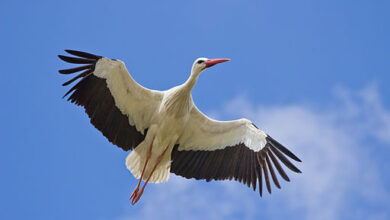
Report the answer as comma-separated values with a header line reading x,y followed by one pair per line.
x,y
135,162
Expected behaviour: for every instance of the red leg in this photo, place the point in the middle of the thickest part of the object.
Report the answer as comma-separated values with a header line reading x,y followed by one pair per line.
x,y
135,192
139,194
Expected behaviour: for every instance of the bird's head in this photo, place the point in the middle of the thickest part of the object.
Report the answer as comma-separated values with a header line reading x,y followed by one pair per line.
x,y
202,63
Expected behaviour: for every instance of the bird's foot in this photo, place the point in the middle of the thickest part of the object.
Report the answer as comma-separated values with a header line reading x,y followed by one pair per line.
x,y
134,195
137,196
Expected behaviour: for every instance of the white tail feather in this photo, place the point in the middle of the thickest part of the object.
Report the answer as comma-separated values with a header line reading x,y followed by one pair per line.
x,y
135,163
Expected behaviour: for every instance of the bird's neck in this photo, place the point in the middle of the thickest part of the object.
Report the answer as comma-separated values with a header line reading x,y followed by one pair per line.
x,y
190,83
179,101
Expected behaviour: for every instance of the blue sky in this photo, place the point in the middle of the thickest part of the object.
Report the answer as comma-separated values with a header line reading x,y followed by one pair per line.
x,y
312,74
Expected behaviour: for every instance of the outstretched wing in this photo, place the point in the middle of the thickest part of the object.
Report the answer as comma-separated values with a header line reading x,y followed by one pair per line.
x,y
117,105
219,150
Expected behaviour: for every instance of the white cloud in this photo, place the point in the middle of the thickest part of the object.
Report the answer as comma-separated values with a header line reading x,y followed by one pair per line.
x,y
366,105
336,170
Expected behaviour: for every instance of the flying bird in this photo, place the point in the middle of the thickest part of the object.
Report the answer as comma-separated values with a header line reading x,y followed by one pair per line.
x,y
166,133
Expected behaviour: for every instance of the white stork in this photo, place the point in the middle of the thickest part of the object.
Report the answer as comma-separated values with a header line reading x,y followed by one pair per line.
x,y
166,131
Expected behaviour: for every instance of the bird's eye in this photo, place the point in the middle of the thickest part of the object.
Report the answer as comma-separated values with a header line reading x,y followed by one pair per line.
x,y
200,61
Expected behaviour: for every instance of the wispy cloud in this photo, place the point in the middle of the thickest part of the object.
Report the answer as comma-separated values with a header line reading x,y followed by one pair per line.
x,y
336,168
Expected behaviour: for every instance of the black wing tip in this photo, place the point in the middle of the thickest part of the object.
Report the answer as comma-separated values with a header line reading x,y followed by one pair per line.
x,y
282,148
79,57
83,54
284,159
77,60
71,51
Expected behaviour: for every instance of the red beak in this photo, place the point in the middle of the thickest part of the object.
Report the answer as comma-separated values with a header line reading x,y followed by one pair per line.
x,y
212,62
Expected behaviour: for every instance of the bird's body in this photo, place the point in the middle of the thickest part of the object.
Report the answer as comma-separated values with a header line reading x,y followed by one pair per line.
x,y
166,127
165,130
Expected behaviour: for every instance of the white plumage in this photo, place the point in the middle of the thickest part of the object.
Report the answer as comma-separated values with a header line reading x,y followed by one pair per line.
x,y
165,130
128,95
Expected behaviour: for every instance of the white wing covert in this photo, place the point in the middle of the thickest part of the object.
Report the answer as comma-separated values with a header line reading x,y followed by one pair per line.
x,y
204,133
